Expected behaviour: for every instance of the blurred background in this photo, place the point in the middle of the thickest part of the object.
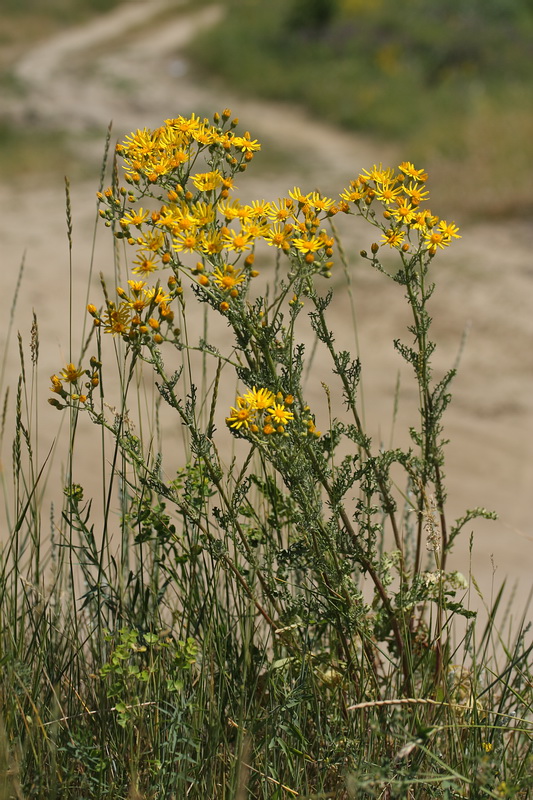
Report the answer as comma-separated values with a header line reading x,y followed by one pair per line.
x,y
329,87
449,82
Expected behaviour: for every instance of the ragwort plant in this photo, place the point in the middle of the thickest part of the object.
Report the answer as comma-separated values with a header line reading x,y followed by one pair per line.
x,y
287,612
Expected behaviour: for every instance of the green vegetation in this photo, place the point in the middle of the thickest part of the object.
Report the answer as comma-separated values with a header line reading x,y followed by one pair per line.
x,y
445,80
30,21
250,608
62,11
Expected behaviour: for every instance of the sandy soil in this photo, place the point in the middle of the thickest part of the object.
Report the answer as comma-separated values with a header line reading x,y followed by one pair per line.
x,y
128,67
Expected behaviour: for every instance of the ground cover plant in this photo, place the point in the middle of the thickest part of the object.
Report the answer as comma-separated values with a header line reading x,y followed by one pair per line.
x,y
259,605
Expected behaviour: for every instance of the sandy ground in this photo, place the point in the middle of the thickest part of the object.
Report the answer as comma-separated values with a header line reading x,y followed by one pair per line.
x,y
128,67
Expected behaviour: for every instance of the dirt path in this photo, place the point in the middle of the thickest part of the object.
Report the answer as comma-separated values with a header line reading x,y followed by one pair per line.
x,y
127,66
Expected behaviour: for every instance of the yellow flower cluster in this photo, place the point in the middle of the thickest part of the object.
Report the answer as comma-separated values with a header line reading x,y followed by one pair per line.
x,y
178,212
71,376
400,195
193,224
141,311
151,155
260,411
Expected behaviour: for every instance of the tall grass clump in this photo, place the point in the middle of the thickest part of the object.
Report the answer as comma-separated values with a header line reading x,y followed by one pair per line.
x,y
259,604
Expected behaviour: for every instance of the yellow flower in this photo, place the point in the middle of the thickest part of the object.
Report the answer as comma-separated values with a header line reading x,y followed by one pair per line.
x,y
70,374
449,229
259,398
57,385
117,320
230,209
259,208
187,242
240,417
245,144
387,193
393,238
435,238
202,214
151,241
409,169
156,295
404,212
135,217
255,228
416,193
422,220
278,237
378,174
357,191
207,181
136,286
227,280
211,242
281,211
236,240
144,265
185,125
308,245
297,195
319,202
279,414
